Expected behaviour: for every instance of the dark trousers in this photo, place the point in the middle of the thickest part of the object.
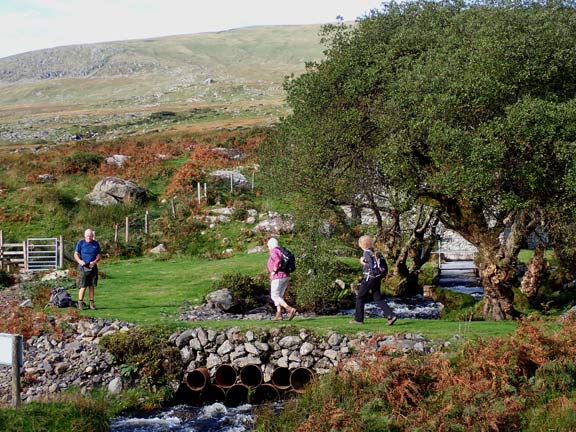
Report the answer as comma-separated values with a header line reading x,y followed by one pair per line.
x,y
366,287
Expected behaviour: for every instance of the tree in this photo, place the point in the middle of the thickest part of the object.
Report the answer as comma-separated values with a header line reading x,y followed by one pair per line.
x,y
466,108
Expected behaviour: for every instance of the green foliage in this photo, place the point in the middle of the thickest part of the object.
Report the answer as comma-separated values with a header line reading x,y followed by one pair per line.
x,y
82,162
249,290
437,102
313,283
145,353
78,413
456,305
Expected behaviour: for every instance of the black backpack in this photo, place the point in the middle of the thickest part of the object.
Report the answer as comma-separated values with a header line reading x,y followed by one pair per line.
x,y
288,261
379,265
61,298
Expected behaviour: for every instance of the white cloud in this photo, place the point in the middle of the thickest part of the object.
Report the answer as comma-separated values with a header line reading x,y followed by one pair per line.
x,y
27,25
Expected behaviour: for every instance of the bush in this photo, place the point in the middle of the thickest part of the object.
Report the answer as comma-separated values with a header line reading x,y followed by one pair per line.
x,y
144,355
314,284
250,291
84,162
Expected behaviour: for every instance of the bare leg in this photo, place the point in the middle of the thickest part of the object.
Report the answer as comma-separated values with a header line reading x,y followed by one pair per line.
x,y
81,298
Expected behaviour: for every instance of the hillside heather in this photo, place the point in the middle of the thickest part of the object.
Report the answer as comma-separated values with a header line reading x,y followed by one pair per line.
x,y
43,190
524,382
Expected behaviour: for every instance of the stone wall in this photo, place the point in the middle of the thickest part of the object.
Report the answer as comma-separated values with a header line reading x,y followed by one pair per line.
x,y
70,356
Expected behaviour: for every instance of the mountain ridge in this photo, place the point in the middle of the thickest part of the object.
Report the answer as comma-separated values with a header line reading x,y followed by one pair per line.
x,y
58,94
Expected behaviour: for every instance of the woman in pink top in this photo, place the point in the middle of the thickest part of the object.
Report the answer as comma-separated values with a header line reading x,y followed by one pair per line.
x,y
278,281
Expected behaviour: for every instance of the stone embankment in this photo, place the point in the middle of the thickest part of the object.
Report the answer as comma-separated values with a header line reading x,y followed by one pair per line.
x,y
66,356
72,357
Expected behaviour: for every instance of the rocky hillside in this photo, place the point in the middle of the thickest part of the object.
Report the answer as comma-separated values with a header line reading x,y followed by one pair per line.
x,y
49,94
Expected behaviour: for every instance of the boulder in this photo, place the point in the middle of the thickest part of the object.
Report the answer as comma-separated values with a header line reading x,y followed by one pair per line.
x,y
222,299
114,190
238,179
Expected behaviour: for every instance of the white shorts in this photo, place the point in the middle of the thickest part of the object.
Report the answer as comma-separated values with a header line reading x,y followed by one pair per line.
x,y
277,289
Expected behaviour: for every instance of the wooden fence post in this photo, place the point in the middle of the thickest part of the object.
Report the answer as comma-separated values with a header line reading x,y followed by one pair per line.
x,y
61,252
146,222
25,250
127,228
115,233
16,359
173,207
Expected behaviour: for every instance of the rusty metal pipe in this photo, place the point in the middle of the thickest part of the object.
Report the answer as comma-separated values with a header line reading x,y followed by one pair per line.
x,y
236,395
212,393
300,378
251,375
281,378
264,393
198,379
225,376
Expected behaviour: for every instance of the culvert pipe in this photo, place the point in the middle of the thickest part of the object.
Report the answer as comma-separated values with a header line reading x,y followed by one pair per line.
x,y
236,395
225,376
281,378
198,379
187,396
264,393
212,393
300,378
251,375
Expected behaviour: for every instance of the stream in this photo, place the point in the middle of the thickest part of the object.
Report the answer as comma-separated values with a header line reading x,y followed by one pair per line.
x,y
457,276
188,418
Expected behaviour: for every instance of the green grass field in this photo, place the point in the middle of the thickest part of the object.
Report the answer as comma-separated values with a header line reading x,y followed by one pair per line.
x,y
148,291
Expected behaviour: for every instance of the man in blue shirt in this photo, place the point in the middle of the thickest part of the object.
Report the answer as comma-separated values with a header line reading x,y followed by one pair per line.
x,y
87,253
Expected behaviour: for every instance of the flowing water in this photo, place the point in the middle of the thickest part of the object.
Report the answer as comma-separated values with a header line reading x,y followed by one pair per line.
x,y
461,276
214,417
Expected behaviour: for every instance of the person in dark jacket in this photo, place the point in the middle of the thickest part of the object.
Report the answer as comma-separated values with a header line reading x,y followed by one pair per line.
x,y
371,280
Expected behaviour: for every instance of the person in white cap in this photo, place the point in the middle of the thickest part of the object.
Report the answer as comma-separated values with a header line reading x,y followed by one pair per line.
x,y
278,281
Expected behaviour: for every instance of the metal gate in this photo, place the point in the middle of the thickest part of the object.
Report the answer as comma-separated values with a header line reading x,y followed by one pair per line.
x,y
43,254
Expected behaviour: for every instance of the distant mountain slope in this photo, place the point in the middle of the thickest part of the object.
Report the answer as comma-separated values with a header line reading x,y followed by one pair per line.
x,y
69,87
255,49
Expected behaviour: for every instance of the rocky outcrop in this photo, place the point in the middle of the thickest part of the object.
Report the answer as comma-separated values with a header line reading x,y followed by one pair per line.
x,y
237,178
114,190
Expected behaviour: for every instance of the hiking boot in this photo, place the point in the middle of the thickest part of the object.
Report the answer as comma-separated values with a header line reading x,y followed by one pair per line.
x,y
92,305
392,320
277,317
80,305
356,322
291,313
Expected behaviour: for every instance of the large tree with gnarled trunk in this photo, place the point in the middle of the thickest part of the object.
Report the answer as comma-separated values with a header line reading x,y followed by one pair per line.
x,y
466,108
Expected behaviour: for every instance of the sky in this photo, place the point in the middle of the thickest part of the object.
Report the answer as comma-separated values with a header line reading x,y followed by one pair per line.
x,y
28,25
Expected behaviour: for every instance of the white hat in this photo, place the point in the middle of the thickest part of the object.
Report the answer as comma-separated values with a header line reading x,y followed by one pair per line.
x,y
272,243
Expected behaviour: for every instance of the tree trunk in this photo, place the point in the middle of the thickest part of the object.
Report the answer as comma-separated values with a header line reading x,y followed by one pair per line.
x,y
496,258
498,294
534,275
418,247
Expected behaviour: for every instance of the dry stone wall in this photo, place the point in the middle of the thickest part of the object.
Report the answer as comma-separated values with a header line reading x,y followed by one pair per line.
x,y
54,363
